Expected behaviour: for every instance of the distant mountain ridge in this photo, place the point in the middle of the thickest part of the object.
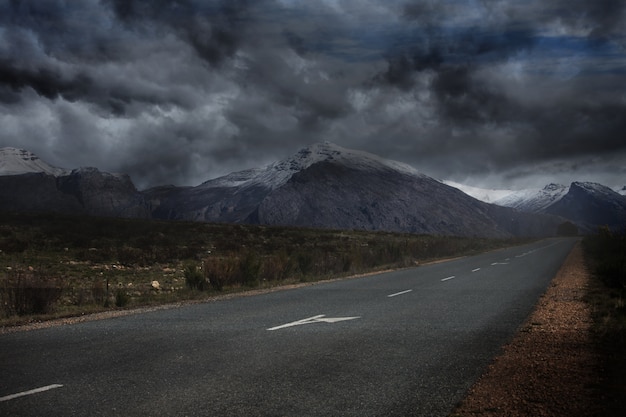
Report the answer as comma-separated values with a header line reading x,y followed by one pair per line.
x,y
29,184
322,185
534,200
591,205
586,204
14,161
278,173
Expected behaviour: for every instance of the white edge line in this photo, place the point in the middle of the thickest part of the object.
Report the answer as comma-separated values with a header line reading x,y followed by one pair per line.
x,y
399,293
30,392
449,278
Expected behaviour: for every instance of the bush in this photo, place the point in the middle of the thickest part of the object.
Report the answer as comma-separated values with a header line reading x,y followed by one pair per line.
x,y
98,292
607,254
275,267
12,245
121,298
129,256
249,268
194,279
220,271
23,294
567,229
305,262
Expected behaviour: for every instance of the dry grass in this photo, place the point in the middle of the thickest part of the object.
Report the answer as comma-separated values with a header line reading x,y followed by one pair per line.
x,y
104,263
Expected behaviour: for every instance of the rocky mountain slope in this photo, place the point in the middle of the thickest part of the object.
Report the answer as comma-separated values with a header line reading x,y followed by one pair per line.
x,y
588,205
534,200
15,161
591,205
322,185
325,185
30,184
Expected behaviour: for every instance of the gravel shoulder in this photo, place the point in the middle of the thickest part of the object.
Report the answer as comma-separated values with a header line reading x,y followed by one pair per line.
x,y
552,366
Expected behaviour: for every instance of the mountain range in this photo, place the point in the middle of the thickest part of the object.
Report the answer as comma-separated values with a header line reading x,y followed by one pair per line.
x,y
322,185
586,204
29,184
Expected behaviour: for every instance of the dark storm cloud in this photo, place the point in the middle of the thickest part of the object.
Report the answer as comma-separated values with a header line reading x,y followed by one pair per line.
x,y
129,69
213,29
178,91
58,46
602,17
582,120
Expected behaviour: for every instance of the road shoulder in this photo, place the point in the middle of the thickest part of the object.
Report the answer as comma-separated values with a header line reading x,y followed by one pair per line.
x,y
551,367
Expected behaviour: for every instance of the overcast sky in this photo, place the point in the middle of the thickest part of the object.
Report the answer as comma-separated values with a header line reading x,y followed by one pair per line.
x,y
491,93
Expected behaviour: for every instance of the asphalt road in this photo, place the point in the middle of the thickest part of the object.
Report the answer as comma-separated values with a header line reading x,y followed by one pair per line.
x,y
404,343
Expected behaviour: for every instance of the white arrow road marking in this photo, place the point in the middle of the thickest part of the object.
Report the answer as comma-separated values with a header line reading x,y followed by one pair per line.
x,y
335,319
32,391
315,319
399,293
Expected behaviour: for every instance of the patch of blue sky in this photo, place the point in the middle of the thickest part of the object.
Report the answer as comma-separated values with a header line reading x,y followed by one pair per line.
x,y
586,56
323,31
577,45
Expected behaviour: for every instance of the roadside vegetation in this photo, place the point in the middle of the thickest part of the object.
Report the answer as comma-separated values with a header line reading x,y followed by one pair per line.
x,y
58,266
605,254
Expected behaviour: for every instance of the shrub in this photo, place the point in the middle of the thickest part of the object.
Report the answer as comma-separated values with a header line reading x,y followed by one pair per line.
x,y
29,294
98,292
305,262
12,245
607,251
249,268
194,279
220,271
567,229
121,298
275,267
129,256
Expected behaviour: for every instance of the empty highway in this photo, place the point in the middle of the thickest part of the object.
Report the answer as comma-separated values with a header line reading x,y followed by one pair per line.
x,y
403,343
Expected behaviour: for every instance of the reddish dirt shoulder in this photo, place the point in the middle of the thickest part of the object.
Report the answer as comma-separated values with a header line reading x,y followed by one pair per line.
x,y
551,366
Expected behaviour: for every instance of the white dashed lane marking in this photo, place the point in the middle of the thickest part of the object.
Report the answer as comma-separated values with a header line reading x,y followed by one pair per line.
x,y
399,293
30,392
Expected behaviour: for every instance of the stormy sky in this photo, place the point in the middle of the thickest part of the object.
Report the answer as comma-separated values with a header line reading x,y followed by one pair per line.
x,y
491,93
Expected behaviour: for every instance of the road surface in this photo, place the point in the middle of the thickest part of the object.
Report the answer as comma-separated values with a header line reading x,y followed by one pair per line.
x,y
403,343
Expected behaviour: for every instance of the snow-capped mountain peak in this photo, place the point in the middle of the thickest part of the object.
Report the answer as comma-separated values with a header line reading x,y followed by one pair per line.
x,y
533,199
593,188
278,173
14,161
